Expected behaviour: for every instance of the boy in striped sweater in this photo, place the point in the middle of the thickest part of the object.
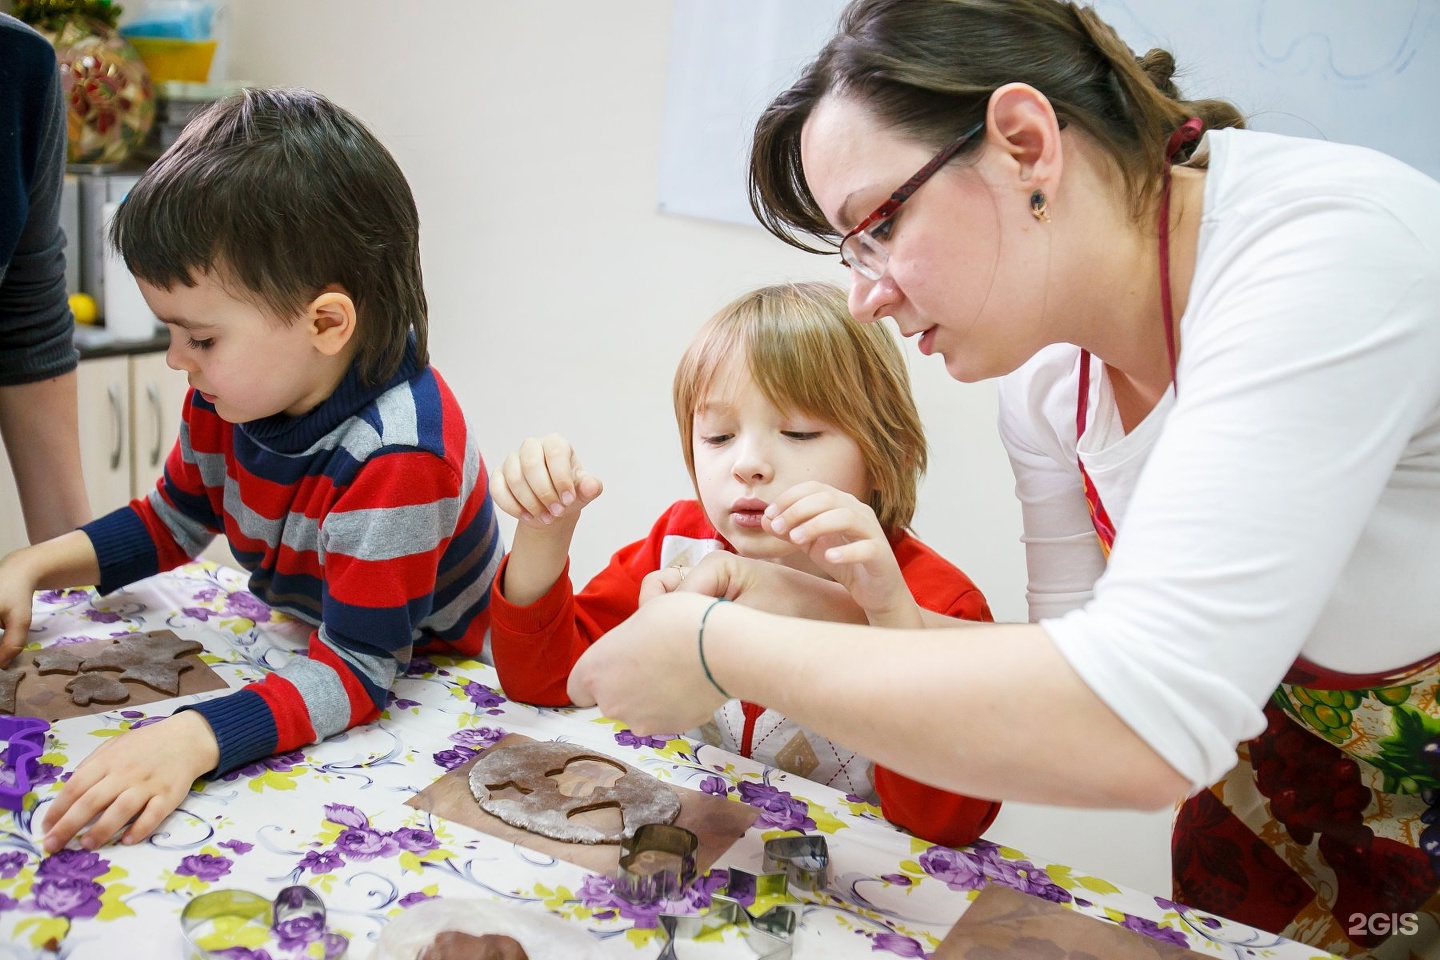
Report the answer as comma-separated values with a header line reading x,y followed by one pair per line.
x,y
278,242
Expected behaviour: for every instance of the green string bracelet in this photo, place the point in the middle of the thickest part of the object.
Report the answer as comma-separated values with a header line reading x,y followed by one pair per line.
x,y
700,642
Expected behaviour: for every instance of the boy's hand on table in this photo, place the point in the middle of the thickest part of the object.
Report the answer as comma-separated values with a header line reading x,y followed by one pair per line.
x,y
142,775
843,537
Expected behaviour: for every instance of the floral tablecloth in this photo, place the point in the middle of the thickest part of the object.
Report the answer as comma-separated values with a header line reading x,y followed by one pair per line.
x,y
333,817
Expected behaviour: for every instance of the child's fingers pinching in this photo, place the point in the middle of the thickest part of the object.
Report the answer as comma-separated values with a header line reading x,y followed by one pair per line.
x,y
12,637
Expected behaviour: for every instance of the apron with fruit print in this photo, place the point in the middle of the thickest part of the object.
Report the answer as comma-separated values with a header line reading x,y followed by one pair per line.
x,y
1327,830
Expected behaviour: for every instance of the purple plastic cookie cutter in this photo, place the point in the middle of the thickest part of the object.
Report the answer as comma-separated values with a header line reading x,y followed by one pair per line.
x,y
24,739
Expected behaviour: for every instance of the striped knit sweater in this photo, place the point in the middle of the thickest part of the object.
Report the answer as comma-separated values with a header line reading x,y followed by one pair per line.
x,y
369,517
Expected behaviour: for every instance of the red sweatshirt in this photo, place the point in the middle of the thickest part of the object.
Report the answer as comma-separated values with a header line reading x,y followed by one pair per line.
x,y
536,646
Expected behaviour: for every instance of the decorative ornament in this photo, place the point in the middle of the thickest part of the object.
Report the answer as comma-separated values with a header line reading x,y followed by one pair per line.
x,y
110,103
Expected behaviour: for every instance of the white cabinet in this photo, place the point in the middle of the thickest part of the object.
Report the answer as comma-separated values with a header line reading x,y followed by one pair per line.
x,y
129,419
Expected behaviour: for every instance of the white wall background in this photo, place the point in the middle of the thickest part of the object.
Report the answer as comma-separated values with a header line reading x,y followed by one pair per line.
x,y
561,297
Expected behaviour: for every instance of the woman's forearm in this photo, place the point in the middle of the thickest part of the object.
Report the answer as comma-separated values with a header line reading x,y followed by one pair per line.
x,y
987,710
40,426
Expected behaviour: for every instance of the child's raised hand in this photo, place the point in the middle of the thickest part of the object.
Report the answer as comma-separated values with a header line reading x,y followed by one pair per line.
x,y
843,537
542,482
141,775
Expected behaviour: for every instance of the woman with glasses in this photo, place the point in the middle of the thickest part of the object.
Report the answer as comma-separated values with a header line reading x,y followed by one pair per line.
x,y
1221,399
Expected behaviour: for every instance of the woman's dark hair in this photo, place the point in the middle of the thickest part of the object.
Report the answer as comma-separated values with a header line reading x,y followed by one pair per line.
x,y
926,69
282,193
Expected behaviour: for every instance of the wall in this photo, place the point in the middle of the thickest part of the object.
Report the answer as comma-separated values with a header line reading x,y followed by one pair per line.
x,y
561,298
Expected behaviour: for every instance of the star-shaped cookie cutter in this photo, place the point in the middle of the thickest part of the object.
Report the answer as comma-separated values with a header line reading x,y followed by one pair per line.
x,y
789,863
217,922
770,935
24,739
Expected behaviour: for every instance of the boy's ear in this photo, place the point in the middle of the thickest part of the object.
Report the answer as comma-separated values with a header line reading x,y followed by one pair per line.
x,y
330,318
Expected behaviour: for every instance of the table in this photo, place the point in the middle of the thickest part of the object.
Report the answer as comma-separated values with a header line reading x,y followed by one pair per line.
x,y
333,816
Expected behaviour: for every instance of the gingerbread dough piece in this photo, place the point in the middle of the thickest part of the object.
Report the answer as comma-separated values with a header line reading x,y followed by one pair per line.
x,y
9,680
527,786
56,660
150,659
454,945
91,688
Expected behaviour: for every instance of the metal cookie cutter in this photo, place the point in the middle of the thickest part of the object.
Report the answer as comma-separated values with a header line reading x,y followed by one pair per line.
x,y
657,862
804,861
24,739
292,926
770,935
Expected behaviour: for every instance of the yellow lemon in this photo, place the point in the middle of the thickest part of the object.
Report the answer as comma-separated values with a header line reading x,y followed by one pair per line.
x,y
83,306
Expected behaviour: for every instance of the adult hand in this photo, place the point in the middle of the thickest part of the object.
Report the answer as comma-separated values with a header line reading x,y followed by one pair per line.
x,y
542,482
647,672
141,775
843,537
760,584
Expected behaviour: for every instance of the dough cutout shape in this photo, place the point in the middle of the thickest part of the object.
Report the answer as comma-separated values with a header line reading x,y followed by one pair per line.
x,y
551,789
56,660
91,688
9,680
149,659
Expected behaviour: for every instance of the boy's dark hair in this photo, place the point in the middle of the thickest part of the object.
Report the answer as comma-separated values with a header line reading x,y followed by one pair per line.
x,y
282,193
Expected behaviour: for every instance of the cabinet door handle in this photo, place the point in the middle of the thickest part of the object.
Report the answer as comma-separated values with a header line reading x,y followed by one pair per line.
x,y
118,416
152,393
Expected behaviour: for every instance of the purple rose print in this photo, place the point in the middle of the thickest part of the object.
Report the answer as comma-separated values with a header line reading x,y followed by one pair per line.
x,y
954,868
627,739
415,840
470,742
450,759
1024,876
714,786
400,703
280,763
478,738
901,946
359,841
7,903
71,897
483,697
321,861
243,603
1154,931
199,613
71,864
10,864
777,808
898,879
598,893
363,843
205,594
204,866
297,931
101,616
410,899
238,847
419,666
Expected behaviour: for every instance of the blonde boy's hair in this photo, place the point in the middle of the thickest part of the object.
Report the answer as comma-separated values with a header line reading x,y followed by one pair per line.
x,y
809,356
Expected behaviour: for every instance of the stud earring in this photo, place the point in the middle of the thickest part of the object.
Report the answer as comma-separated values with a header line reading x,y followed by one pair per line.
x,y
1039,206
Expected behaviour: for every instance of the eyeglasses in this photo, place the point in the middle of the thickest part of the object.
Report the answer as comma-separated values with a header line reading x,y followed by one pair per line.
x,y
860,249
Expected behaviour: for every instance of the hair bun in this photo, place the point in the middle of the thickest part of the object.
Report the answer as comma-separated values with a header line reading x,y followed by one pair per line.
x,y
1159,66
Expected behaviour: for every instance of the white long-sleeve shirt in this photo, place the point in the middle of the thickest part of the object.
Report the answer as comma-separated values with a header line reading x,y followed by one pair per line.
x,y
1287,501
